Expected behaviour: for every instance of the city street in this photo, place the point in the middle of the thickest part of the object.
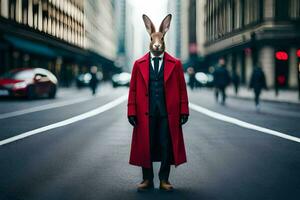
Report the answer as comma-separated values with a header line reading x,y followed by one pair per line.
x,y
77,147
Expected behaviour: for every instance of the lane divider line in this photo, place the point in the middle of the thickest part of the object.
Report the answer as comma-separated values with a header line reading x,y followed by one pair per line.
x,y
44,107
71,120
241,123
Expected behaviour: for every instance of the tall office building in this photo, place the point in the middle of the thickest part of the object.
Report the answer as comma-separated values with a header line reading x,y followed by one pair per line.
x,y
120,15
177,39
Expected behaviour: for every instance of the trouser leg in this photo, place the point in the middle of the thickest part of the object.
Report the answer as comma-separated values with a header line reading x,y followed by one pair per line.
x,y
166,149
217,94
153,124
236,87
223,94
148,173
257,94
94,89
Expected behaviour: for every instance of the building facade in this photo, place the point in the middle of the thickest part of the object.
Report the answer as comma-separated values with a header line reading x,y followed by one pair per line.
x,y
120,10
177,39
56,35
255,32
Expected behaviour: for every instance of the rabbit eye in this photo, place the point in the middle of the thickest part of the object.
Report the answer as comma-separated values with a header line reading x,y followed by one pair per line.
x,y
151,38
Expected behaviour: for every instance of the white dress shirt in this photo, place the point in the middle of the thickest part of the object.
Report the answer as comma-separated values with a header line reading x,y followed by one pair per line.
x,y
160,61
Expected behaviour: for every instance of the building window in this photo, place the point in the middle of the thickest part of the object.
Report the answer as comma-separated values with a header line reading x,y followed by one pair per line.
x,y
35,11
294,9
238,10
281,10
25,11
12,9
45,15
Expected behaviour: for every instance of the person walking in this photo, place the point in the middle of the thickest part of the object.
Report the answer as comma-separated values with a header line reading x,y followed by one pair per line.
x,y
94,80
192,78
157,109
221,80
257,83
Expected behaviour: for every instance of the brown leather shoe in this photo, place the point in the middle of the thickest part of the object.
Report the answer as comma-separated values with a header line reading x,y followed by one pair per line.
x,y
145,185
166,186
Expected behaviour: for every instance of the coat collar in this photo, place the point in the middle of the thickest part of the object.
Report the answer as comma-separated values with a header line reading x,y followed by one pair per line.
x,y
169,64
160,56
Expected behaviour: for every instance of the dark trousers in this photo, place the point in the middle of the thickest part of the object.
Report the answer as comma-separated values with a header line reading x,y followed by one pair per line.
x,y
160,145
257,94
94,88
222,91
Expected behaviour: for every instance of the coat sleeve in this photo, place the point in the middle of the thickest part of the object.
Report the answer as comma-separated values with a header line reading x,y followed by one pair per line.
x,y
184,103
131,104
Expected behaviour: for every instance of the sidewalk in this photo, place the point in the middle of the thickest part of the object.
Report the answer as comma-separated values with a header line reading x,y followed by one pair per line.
x,y
286,96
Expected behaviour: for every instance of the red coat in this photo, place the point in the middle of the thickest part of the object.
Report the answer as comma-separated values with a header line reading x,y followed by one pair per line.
x,y
138,105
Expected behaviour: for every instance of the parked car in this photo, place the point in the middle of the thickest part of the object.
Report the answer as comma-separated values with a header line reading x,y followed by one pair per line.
x,y
121,79
83,80
28,82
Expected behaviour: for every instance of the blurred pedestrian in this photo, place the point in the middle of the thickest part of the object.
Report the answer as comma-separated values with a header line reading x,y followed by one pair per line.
x,y
192,79
257,83
94,79
221,80
236,82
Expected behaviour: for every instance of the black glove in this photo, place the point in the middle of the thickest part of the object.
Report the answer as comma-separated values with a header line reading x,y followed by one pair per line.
x,y
183,119
132,120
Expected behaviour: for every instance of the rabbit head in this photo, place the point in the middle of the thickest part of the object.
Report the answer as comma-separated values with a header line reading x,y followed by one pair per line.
x,y
157,43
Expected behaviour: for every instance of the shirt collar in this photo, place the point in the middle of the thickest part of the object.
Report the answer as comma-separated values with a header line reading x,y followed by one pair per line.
x,y
160,56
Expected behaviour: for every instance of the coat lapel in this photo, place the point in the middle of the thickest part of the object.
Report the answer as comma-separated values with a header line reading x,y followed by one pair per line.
x,y
144,68
169,66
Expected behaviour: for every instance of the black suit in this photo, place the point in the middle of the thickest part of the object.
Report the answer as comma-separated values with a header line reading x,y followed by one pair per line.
x,y
160,141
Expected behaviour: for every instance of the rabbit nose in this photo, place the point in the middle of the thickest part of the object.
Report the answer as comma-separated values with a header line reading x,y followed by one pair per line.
x,y
157,45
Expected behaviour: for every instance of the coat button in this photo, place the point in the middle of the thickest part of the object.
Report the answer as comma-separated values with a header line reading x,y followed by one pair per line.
x,y
146,94
146,113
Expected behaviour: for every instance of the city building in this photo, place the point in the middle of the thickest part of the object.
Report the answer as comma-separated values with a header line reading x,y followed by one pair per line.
x,y
255,32
186,35
120,14
60,35
100,34
177,39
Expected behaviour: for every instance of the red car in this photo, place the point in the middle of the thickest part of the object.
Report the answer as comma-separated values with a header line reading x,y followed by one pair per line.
x,y
28,82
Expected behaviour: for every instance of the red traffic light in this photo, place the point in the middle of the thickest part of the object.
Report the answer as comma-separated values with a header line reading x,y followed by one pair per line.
x,y
298,53
281,79
281,55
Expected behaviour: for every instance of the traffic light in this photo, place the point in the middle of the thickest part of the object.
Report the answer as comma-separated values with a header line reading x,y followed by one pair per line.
x,y
281,68
298,53
281,55
281,79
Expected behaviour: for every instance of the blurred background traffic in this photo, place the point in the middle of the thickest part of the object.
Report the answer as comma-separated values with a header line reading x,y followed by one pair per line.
x,y
47,44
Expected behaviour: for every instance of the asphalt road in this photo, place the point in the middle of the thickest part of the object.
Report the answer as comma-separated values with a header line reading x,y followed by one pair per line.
x,y
88,158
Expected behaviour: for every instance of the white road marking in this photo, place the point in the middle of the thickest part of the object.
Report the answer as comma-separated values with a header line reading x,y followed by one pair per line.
x,y
44,107
71,120
241,123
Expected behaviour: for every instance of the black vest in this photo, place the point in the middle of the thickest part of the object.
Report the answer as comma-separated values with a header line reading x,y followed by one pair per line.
x,y
156,91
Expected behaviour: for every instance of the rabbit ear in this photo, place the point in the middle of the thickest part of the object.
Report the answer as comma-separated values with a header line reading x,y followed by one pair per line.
x,y
165,24
148,24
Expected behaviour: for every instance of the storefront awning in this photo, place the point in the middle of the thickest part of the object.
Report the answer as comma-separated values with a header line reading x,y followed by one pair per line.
x,y
29,46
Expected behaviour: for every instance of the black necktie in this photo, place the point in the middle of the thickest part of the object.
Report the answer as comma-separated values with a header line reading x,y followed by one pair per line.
x,y
156,64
